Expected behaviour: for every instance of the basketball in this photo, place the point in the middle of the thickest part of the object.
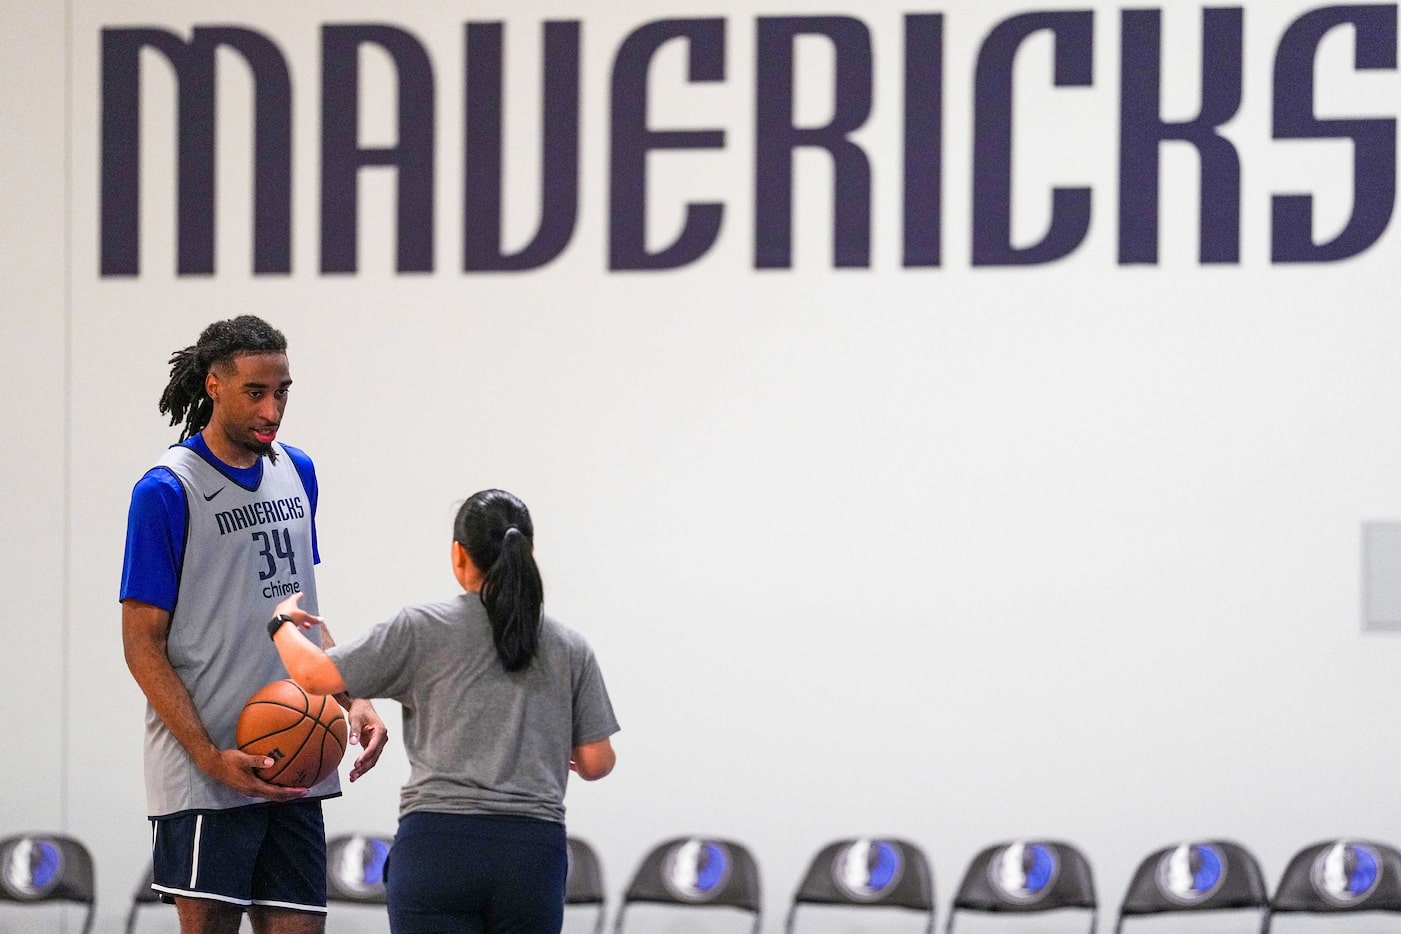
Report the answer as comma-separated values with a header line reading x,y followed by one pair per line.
x,y
304,734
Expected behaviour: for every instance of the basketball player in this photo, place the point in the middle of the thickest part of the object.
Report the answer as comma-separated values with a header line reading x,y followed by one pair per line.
x,y
219,531
500,702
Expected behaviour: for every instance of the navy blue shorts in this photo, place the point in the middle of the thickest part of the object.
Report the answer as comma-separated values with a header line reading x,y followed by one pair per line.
x,y
262,854
476,874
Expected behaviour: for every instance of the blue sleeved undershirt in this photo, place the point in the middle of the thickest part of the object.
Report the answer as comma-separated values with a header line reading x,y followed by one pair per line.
x,y
156,520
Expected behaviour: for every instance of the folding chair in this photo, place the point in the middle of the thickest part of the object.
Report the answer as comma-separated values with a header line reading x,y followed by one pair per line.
x,y
1207,875
584,884
37,868
1340,877
355,868
143,897
1025,876
867,872
696,872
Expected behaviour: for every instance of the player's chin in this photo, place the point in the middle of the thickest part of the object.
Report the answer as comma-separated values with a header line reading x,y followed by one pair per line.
x,y
260,448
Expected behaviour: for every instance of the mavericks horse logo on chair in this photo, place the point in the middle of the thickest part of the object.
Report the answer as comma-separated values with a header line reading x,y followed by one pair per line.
x,y
867,870
1191,873
358,865
697,870
1024,872
1346,873
30,867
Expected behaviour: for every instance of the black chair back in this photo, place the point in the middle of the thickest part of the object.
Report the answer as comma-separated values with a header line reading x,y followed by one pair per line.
x,y
39,867
1205,875
143,897
867,872
584,884
1338,876
1023,876
696,872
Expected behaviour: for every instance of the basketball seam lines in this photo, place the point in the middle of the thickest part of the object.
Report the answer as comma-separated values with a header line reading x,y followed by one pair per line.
x,y
292,756
304,711
305,714
321,746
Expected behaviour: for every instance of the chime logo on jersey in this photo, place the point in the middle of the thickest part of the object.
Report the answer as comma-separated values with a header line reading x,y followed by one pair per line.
x,y
696,870
30,867
359,864
1347,872
1191,873
1024,872
866,870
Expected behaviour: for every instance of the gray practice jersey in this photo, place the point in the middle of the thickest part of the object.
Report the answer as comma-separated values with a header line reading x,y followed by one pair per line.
x,y
480,739
245,550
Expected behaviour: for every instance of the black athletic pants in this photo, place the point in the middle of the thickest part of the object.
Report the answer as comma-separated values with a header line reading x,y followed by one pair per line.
x,y
476,874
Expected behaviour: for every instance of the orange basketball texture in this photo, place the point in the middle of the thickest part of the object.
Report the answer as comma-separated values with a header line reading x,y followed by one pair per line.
x,y
305,734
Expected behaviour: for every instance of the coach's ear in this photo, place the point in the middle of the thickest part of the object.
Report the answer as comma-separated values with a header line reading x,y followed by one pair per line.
x,y
464,569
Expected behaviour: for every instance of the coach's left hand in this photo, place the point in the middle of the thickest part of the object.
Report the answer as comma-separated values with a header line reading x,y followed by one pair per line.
x,y
367,730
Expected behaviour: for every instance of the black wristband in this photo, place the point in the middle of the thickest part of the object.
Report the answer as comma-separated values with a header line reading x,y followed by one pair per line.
x,y
276,622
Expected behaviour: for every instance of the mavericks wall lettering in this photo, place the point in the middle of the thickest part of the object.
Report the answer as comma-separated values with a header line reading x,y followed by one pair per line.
x,y
632,139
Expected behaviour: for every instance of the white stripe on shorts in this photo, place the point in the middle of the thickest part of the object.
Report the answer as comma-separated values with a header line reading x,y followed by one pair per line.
x,y
194,861
208,896
315,909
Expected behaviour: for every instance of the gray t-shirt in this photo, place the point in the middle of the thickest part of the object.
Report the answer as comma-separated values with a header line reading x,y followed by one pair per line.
x,y
481,740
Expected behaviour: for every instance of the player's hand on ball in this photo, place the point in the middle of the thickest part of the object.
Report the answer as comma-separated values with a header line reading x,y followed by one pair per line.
x,y
290,607
235,769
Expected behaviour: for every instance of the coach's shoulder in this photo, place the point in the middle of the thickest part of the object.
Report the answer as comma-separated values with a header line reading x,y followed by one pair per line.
x,y
553,630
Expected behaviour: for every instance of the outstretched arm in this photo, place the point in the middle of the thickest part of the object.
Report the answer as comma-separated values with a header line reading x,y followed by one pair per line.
x,y
145,629
306,662
310,667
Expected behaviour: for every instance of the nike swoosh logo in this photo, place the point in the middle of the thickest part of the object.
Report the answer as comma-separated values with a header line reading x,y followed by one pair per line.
x,y
214,494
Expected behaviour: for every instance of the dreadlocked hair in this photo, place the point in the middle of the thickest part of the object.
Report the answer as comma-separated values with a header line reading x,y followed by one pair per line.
x,y
220,343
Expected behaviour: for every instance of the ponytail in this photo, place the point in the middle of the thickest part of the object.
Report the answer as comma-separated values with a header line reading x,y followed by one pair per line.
x,y
512,593
496,530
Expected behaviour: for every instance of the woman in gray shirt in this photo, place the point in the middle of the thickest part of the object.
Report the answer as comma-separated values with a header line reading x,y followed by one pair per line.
x,y
500,702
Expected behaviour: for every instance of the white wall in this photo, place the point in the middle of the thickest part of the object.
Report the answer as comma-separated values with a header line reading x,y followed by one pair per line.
x,y
950,554
34,383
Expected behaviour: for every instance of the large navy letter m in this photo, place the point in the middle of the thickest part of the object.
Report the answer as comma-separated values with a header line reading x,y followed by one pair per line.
x,y
193,63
